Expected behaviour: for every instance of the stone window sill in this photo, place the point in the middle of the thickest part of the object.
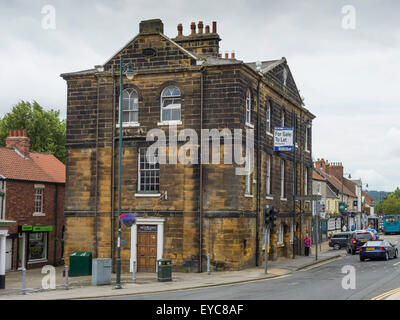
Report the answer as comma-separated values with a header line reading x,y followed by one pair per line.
x,y
37,261
250,125
269,134
170,123
280,245
283,199
39,214
147,195
129,125
248,195
269,197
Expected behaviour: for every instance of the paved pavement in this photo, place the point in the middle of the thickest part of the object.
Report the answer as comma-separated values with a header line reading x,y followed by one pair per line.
x,y
81,288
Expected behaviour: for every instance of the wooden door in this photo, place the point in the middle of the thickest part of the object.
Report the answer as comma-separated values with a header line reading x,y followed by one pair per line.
x,y
146,248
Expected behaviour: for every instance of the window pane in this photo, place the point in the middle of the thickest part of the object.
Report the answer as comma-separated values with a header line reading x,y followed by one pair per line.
x,y
37,246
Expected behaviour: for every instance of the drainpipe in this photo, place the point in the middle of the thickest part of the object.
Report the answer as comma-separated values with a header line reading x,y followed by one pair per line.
x,y
258,205
112,168
201,172
96,176
55,227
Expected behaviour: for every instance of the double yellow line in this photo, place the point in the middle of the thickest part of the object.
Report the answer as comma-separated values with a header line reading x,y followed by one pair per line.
x,y
386,294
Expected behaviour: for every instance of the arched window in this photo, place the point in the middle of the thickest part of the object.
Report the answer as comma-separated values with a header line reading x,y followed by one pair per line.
x,y
248,107
130,106
171,104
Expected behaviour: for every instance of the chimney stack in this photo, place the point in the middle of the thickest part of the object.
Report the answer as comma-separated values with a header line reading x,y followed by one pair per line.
x,y
19,140
233,55
200,27
214,27
180,29
226,55
207,29
193,28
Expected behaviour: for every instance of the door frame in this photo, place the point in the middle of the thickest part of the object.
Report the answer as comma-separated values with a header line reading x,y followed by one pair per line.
x,y
160,239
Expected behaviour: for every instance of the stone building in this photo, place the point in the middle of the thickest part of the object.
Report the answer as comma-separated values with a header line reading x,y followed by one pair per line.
x,y
185,211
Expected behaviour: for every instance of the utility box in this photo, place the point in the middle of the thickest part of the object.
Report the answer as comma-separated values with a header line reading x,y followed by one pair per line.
x,y
164,270
101,271
80,264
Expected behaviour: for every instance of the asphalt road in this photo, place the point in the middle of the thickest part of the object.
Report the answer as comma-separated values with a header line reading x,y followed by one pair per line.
x,y
372,278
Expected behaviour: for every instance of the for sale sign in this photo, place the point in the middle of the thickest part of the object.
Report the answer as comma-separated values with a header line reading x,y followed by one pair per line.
x,y
283,139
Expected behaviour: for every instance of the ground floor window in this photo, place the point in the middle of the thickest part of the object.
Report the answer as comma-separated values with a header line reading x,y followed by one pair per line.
x,y
280,234
37,246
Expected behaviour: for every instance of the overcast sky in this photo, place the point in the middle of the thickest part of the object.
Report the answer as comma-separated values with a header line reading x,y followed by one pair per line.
x,y
348,76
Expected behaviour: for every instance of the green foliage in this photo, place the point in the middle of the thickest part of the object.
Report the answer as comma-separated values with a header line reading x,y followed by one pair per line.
x,y
47,133
389,205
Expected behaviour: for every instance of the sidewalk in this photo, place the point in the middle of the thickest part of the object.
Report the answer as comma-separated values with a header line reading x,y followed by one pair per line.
x,y
81,288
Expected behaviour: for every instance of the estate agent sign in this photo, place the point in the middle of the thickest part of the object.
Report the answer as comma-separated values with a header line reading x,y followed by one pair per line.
x,y
283,139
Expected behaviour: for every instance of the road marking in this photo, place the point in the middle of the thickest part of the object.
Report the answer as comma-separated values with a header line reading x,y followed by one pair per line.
x,y
319,264
386,294
396,263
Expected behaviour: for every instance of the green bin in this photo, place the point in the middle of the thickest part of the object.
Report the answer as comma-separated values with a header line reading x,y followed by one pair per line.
x,y
80,264
164,270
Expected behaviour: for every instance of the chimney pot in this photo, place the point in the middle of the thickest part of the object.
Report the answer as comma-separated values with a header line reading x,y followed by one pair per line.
x,y
207,29
193,28
233,55
200,27
214,27
19,140
180,29
226,55
219,55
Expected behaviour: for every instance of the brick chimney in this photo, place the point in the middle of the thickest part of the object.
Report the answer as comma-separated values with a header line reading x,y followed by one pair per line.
x,y
320,164
19,140
200,42
336,169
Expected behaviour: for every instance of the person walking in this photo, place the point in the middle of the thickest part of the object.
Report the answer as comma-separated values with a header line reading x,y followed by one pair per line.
x,y
307,245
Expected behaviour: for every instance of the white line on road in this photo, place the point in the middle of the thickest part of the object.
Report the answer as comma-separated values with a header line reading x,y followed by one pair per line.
x,y
396,263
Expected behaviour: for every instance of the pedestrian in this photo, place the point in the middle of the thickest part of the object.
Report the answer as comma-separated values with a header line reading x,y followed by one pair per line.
x,y
353,227
307,245
344,229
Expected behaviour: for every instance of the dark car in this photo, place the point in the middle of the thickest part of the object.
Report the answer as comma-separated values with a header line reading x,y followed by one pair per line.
x,y
381,249
339,240
358,239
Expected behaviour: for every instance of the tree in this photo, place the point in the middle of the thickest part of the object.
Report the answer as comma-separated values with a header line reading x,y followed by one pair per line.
x,y
46,131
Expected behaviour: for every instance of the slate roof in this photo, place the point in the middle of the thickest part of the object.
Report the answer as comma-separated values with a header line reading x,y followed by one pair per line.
x,y
38,167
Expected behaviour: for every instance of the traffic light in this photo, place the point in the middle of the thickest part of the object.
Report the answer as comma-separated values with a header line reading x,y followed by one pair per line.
x,y
270,214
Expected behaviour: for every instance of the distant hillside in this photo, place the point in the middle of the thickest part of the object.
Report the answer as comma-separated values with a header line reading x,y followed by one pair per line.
x,y
377,195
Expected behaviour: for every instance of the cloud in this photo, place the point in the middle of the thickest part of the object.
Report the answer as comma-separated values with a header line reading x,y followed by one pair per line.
x,y
349,78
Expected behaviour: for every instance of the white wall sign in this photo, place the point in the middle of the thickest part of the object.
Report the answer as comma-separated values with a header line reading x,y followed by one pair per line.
x,y
283,139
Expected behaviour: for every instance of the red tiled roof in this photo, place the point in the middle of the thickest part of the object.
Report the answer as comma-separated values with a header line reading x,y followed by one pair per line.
x,y
368,199
317,176
337,184
38,167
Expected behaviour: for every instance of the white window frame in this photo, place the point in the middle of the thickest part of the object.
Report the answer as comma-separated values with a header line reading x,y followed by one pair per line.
x,y
283,167
248,179
174,106
280,234
146,193
2,199
283,118
268,186
38,187
268,126
248,108
306,182
319,188
291,233
306,140
126,124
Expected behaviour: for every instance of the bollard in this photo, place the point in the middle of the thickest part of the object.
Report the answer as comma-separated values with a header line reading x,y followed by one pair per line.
x,y
208,264
66,278
23,280
134,271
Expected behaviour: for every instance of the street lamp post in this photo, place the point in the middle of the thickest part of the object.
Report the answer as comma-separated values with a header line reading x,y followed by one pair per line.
x,y
348,227
128,70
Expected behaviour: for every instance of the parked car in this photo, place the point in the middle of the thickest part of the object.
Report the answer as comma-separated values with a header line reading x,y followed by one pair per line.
x,y
374,232
339,240
358,239
381,249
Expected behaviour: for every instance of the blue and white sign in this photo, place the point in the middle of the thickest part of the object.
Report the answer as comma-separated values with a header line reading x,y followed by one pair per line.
x,y
283,139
